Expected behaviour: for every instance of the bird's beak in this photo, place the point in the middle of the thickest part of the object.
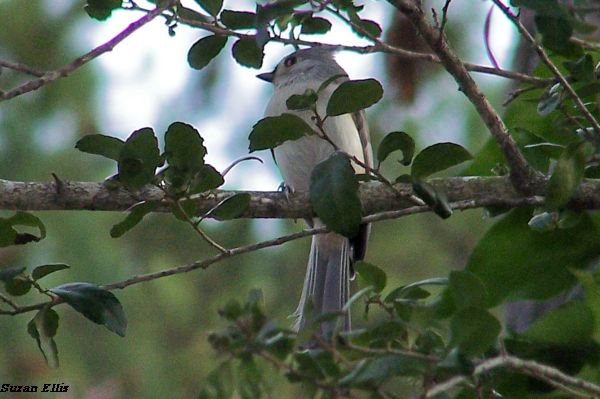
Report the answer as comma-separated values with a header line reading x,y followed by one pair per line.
x,y
267,76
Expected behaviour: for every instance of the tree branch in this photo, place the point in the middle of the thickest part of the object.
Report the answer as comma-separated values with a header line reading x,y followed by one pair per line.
x,y
555,71
523,176
529,367
16,66
205,263
84,59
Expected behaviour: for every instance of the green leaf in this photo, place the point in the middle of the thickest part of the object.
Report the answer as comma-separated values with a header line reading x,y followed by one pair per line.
x,y
395,141
473,330
334,194
438,157
372,28
375,371
371,274
273,131
43,328
95,303
571,324
208,178
238,19
514,262
231,207
10,236
247,52
433,197
582,70
18,286
139,159
184,148
467,290
302,101
204,50
211,6
135,215
353,95
8,273
566,177
315,25
556,32
99,144
101,9
44,270
219,383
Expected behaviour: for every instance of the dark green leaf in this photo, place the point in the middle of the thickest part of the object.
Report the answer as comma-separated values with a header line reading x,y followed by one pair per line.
x,y
99,144
247,52
101,9
410,290
302,101
433,197
8,273
556,32
17,286
238,19
184,148
467,290
43,328
272,131
188,13
27,219
8,235
231,207
582,70
211,6
207,179
570,324
371,274
44,270
354,95
438,157
204,50
219,384
315,25
474,330
279,345
135,215
95,303
371,28
515,262
139,159
395,141
334,194
375,371
566,177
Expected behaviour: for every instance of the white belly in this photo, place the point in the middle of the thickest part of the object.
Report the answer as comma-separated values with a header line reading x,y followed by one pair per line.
x,y
296,159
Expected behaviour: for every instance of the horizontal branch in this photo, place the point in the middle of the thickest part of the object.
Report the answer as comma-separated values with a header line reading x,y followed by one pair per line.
x,y
375,197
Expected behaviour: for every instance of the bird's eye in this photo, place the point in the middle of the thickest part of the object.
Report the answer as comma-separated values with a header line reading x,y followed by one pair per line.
x,y
289,61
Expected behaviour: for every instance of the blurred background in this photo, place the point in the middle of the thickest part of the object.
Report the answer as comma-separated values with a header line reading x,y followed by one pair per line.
x,y
146,81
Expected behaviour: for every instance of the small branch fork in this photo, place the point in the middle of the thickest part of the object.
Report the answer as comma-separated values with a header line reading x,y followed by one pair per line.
x,y
48,77
523,176
228,253
546,60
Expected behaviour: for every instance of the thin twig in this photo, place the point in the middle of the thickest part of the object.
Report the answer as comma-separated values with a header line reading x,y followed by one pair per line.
x,y
205,263
523,176
9,302
198,230
17,66
553,68
529,367
84,59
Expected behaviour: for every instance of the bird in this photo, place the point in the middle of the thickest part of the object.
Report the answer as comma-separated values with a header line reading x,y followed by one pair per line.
x,y
329,269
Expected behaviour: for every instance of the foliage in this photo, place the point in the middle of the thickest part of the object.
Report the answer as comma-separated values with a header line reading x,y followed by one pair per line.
x,y
443,333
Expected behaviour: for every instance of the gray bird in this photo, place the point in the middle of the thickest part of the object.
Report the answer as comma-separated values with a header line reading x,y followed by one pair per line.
x,y
329,269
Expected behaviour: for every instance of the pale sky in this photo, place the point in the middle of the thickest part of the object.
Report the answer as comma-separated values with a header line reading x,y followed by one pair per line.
x,y
144,74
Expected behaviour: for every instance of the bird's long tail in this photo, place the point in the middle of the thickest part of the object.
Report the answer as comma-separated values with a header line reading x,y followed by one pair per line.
x,y
327,282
